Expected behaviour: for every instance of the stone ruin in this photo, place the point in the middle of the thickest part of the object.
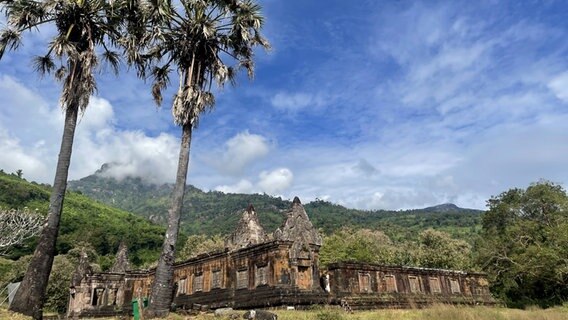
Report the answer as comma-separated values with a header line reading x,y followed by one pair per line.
x,y
248,232
258,270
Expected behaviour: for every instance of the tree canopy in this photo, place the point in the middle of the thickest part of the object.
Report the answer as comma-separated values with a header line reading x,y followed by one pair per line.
x,y
432,249
524,245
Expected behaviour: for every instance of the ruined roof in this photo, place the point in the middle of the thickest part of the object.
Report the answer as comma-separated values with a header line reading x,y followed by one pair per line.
x,y
248,231
121,264
298,226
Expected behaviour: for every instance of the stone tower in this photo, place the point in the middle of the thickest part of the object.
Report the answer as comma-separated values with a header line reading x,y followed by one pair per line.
x,y
304,252
298,227
248,231
121,264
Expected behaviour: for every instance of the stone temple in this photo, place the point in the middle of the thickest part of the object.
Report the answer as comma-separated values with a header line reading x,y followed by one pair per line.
x,y
260,270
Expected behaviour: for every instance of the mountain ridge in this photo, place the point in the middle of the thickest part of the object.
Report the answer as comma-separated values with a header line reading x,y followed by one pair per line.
x,y
105,168
215,212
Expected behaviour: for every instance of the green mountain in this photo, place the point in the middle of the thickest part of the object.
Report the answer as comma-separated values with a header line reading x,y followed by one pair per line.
x,y
84,220
215,212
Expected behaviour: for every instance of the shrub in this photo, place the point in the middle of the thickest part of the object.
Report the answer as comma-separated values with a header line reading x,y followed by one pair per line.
x,y
330,314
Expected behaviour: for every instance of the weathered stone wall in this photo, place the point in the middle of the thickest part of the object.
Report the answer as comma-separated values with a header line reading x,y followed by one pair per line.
x,y
99,294
236,275
254,273
365,286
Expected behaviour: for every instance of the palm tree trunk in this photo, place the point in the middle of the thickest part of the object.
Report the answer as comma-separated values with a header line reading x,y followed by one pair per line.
x,y
30,296
162,288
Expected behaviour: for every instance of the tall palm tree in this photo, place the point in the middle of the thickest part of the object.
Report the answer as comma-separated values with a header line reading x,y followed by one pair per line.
x,y
82,27
205,41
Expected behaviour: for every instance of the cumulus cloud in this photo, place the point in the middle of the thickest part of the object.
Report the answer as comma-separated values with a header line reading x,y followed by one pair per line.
x,y
275,181
559,85
271,182
134,154
240,151
30,137
243,186
13,157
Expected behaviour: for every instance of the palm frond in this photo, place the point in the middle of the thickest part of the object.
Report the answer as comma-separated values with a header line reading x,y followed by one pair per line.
x,y
60,73
43,64
247,64
161,79
207,40
62,46
9,39
262,41
112,58
232,76
24,14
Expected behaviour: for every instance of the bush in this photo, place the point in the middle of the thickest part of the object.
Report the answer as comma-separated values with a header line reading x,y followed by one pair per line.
x,y
330,314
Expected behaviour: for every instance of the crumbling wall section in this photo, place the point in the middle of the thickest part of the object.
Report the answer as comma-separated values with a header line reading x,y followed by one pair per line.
x,y
375,286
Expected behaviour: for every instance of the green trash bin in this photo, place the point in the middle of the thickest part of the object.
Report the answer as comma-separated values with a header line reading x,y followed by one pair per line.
x,y
145,302
135,309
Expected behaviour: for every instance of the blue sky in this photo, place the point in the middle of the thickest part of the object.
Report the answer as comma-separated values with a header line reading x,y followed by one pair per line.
x,y
370,104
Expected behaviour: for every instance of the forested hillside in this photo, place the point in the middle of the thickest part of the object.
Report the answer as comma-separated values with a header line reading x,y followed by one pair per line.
x,y
84,221
216,212
392,237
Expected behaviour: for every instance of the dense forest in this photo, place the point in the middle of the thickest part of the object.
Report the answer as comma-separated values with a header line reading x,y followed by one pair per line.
x,y
520,241
215,212
84,221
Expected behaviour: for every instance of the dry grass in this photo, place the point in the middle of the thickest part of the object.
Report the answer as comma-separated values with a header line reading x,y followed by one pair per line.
x,y
439,312
5,314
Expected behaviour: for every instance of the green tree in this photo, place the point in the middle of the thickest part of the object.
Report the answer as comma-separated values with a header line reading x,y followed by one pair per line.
x,y
524,245
199,244
362,245
57,297
82,27
437,249
198,39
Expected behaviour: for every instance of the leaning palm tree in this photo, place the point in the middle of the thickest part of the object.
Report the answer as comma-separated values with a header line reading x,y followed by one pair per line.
x,y
205,41
83,26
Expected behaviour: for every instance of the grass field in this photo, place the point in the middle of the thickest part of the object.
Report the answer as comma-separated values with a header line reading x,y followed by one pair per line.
x,y
441,312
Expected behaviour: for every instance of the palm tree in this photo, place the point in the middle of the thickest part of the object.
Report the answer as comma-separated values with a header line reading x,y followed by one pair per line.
x,y
204,41
82,27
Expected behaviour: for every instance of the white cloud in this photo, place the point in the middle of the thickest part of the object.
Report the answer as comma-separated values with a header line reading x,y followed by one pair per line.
x,y
559,85
271,182
133,154
424,104
13,157
275,181
243,186
31,131
240,151
413,176
293,102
